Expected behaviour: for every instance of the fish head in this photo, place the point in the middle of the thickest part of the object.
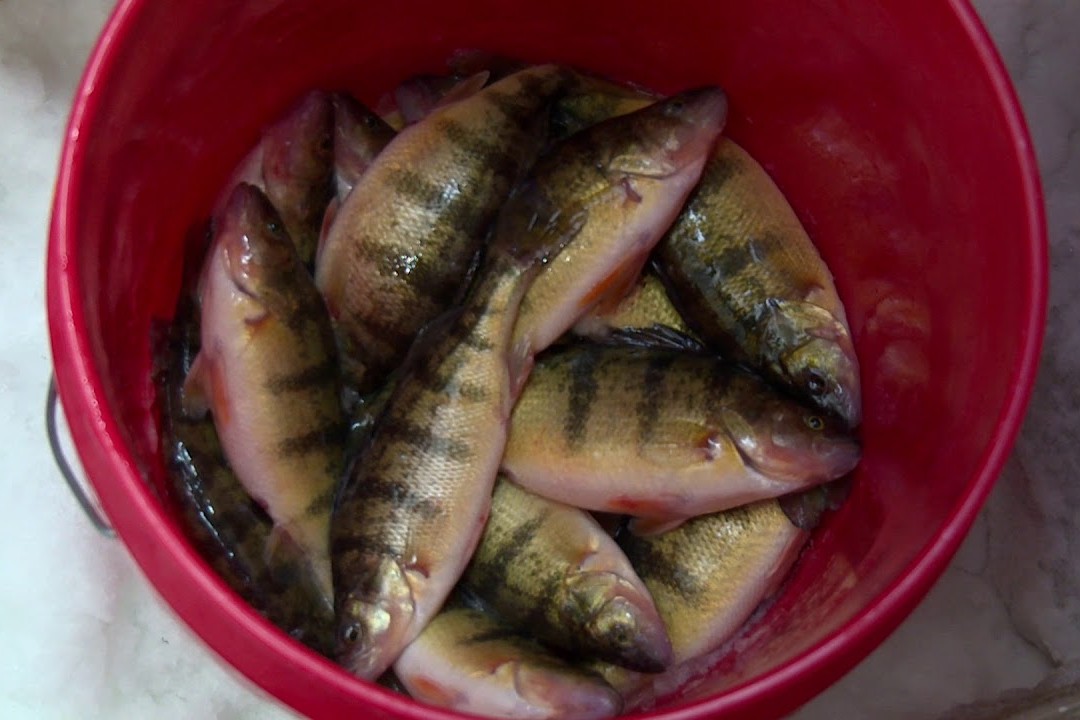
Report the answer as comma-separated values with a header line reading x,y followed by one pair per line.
x,y
789,441
810,350
300,143
622,624
373,618
257,249
359,136
667,137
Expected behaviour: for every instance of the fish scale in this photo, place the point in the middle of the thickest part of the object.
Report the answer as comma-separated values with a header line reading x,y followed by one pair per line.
x,y
665,434
410,514
470,661
550,570
707,577
442,433
629,178
229,528
404,240
266,373
742,270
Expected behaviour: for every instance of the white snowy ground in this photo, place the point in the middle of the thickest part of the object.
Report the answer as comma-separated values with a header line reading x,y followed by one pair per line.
x,y
83,635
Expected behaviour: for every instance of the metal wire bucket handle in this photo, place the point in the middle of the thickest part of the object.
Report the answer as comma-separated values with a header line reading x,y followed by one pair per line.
x,y
76,487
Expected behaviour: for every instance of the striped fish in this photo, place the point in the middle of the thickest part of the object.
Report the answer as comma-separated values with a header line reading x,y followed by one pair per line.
x,y
267,371
468,661
225,524
404,240
662,434
591,100
645,307
707,578
640,168
746,276
551,571
415,503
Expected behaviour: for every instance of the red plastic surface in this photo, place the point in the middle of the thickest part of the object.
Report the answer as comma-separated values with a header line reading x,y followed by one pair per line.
x,y
890,125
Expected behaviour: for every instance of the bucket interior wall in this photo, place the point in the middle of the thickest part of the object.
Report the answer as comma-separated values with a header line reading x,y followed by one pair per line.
x,y
877,120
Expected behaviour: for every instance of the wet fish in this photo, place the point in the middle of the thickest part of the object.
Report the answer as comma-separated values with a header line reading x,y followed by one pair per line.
x,y
550,570
707,578
591,100
741,268
468,661
415,503
404,240
268,372
226,526
709,574
298,167
662,434
629,177
359,136
646,306
419,96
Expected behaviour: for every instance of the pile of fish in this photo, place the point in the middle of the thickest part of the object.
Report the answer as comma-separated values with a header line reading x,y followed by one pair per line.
x,y
512,397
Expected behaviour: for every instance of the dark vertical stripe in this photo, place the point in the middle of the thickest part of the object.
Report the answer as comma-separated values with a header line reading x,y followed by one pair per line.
x,y
305,377
494,572
316,440
582,396
423,439
648,407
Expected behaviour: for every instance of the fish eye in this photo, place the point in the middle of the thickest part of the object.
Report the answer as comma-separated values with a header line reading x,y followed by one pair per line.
x,y
351,633
814,422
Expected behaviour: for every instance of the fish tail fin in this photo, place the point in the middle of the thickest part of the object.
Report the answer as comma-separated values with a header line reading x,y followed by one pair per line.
x,y
519,363
284,552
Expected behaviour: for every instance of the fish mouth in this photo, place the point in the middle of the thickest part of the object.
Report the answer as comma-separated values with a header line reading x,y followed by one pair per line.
x,y
372,631
773,459
843,398
837,457
626,628
841,392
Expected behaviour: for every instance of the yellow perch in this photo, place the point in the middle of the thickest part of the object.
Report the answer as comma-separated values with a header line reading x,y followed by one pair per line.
x,y
662,434
468,661
641,168
551,571
401,246
267,370
745,275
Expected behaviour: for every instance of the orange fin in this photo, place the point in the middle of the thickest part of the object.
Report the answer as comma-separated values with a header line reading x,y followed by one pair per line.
x,y
519,364
606,295
285,556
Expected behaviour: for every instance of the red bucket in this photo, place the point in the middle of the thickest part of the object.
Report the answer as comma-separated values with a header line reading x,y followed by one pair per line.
x,y
890,125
